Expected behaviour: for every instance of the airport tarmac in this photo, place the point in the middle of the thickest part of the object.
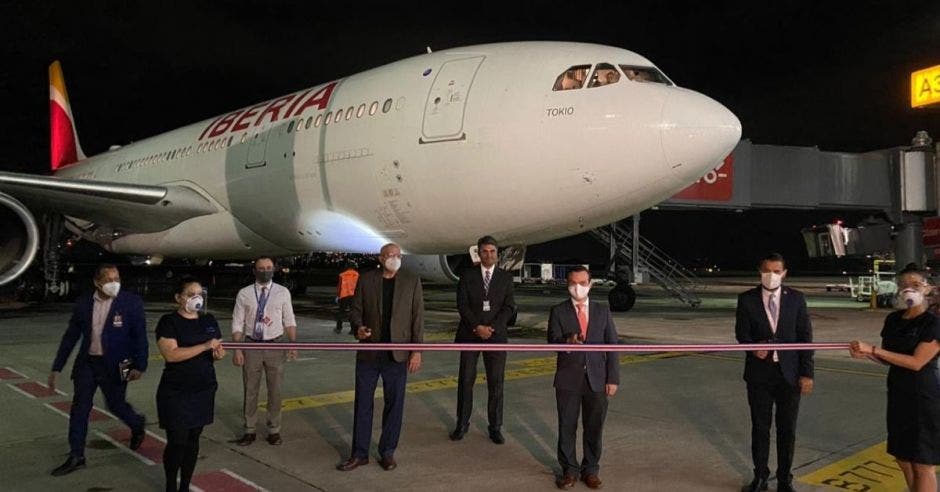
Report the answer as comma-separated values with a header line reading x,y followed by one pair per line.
x,y
679,421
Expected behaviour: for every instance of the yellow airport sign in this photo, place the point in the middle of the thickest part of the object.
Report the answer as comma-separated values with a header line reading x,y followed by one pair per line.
x,y
925,87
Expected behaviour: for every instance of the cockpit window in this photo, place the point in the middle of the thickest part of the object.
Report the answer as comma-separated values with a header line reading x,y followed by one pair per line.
x,y
604,74
644,74
573,78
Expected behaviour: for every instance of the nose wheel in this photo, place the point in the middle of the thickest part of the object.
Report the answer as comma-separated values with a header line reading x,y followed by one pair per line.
x,y
621,298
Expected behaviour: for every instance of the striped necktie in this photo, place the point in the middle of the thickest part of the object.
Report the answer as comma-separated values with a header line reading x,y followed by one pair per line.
x,y
486,282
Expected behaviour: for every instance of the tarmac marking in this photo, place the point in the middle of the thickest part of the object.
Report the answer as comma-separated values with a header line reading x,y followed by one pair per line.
x,y
14,388
818,368
869,470
224,480
64,408
124,448
38,390
10,373
535,367
150,451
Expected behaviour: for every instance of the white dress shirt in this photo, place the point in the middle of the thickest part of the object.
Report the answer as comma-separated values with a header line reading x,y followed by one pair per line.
x,y
770,317
278,312
99,315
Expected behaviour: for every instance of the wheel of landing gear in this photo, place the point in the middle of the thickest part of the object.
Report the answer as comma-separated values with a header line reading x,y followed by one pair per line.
x,y
621,298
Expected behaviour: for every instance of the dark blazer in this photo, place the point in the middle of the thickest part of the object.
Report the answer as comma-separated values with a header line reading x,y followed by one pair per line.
x,y
601,367
470,305
793,326
127,341
407,311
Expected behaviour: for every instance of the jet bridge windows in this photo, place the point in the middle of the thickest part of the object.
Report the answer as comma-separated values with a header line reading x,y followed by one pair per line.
x,y
572,78
604,74
644,74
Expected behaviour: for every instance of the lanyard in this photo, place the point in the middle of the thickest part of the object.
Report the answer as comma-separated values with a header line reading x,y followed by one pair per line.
x,y
262,300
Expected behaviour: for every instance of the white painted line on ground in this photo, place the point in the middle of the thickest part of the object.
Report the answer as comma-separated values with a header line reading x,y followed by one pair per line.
x,y
146,460
57,390
243,480
56,410
14,388
15,371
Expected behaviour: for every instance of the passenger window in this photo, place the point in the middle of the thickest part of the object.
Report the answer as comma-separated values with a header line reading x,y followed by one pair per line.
x,y
329,116
230,140
387,106
644,74
373,108
339,116
290,126
349,112
573,78
362,109
604,74
244,137
319,120
309,122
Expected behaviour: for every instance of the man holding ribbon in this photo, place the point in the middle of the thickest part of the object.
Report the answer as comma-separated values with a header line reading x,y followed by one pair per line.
x,y
584,381
263,314
774,313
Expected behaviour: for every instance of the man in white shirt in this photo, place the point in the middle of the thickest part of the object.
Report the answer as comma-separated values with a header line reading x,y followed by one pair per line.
x,y
263,314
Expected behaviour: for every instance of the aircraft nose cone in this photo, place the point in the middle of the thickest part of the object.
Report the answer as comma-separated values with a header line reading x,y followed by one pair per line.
x,y
697,133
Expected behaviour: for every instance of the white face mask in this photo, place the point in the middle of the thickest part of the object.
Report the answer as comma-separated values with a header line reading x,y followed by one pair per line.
x,y
771,280
579,291
909,298
193,304
393,264
111,289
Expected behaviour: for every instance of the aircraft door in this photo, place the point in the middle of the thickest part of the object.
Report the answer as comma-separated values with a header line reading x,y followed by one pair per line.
x,y
257,146
447,100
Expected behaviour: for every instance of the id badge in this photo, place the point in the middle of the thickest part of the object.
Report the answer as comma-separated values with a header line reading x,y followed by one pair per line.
x,y
117,321
486,306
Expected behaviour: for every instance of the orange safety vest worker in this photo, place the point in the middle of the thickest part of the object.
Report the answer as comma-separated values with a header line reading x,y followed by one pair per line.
x,y
347,283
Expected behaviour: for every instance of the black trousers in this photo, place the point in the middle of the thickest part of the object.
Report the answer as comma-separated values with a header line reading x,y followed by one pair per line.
x,y
762,397
87,378
495,365
570,405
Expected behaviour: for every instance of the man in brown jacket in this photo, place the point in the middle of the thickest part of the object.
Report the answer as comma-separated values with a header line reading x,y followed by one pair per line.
x,y
388,307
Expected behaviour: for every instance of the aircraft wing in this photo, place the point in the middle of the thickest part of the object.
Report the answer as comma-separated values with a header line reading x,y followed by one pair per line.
x,y
122,206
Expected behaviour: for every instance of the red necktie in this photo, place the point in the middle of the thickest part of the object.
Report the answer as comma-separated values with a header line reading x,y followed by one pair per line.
x,y
583,321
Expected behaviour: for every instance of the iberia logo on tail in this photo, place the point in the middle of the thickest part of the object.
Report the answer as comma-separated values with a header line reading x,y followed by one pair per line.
x,y
63,139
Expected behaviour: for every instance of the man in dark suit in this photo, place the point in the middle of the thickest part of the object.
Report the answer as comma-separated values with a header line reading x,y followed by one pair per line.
x,y
388,307
113,329
774,313
583,380
485,302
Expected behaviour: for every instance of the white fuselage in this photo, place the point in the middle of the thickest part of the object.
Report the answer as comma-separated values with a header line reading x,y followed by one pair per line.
x,y
462,143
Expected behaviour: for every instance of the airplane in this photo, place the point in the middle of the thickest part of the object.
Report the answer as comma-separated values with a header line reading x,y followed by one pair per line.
x,y
524,141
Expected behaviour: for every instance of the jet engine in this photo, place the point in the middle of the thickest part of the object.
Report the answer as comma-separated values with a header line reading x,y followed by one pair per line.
x,y
19,238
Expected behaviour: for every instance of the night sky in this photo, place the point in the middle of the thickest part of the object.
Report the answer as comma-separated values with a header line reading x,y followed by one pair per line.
x,y
830,74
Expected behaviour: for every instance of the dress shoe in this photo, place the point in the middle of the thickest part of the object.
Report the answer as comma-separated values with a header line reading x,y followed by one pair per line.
x,y
565,481
137,438
457,434
756,485
388,463
70,465
247,439
352,463
274,439
497,437
591,480
785,487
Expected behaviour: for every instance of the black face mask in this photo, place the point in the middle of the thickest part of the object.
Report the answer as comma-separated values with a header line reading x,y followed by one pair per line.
x,y
264,276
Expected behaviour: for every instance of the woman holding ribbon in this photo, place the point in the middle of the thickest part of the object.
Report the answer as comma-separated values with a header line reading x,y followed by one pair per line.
x,y
910,343
190,343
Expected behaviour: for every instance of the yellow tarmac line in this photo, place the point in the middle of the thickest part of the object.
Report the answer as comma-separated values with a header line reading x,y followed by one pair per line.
x,y
869,470
528,368
818,368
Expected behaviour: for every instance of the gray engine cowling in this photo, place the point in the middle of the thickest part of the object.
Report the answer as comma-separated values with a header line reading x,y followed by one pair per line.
x,y
19,238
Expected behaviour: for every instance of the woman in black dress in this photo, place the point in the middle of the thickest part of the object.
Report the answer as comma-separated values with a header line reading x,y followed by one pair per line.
x,y
910,342
190,343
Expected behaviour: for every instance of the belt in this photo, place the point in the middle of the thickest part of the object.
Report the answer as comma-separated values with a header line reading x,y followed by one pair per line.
x,y
270,340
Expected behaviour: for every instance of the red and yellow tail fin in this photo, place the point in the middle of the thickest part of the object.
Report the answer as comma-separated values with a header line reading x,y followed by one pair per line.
x,y
63,139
